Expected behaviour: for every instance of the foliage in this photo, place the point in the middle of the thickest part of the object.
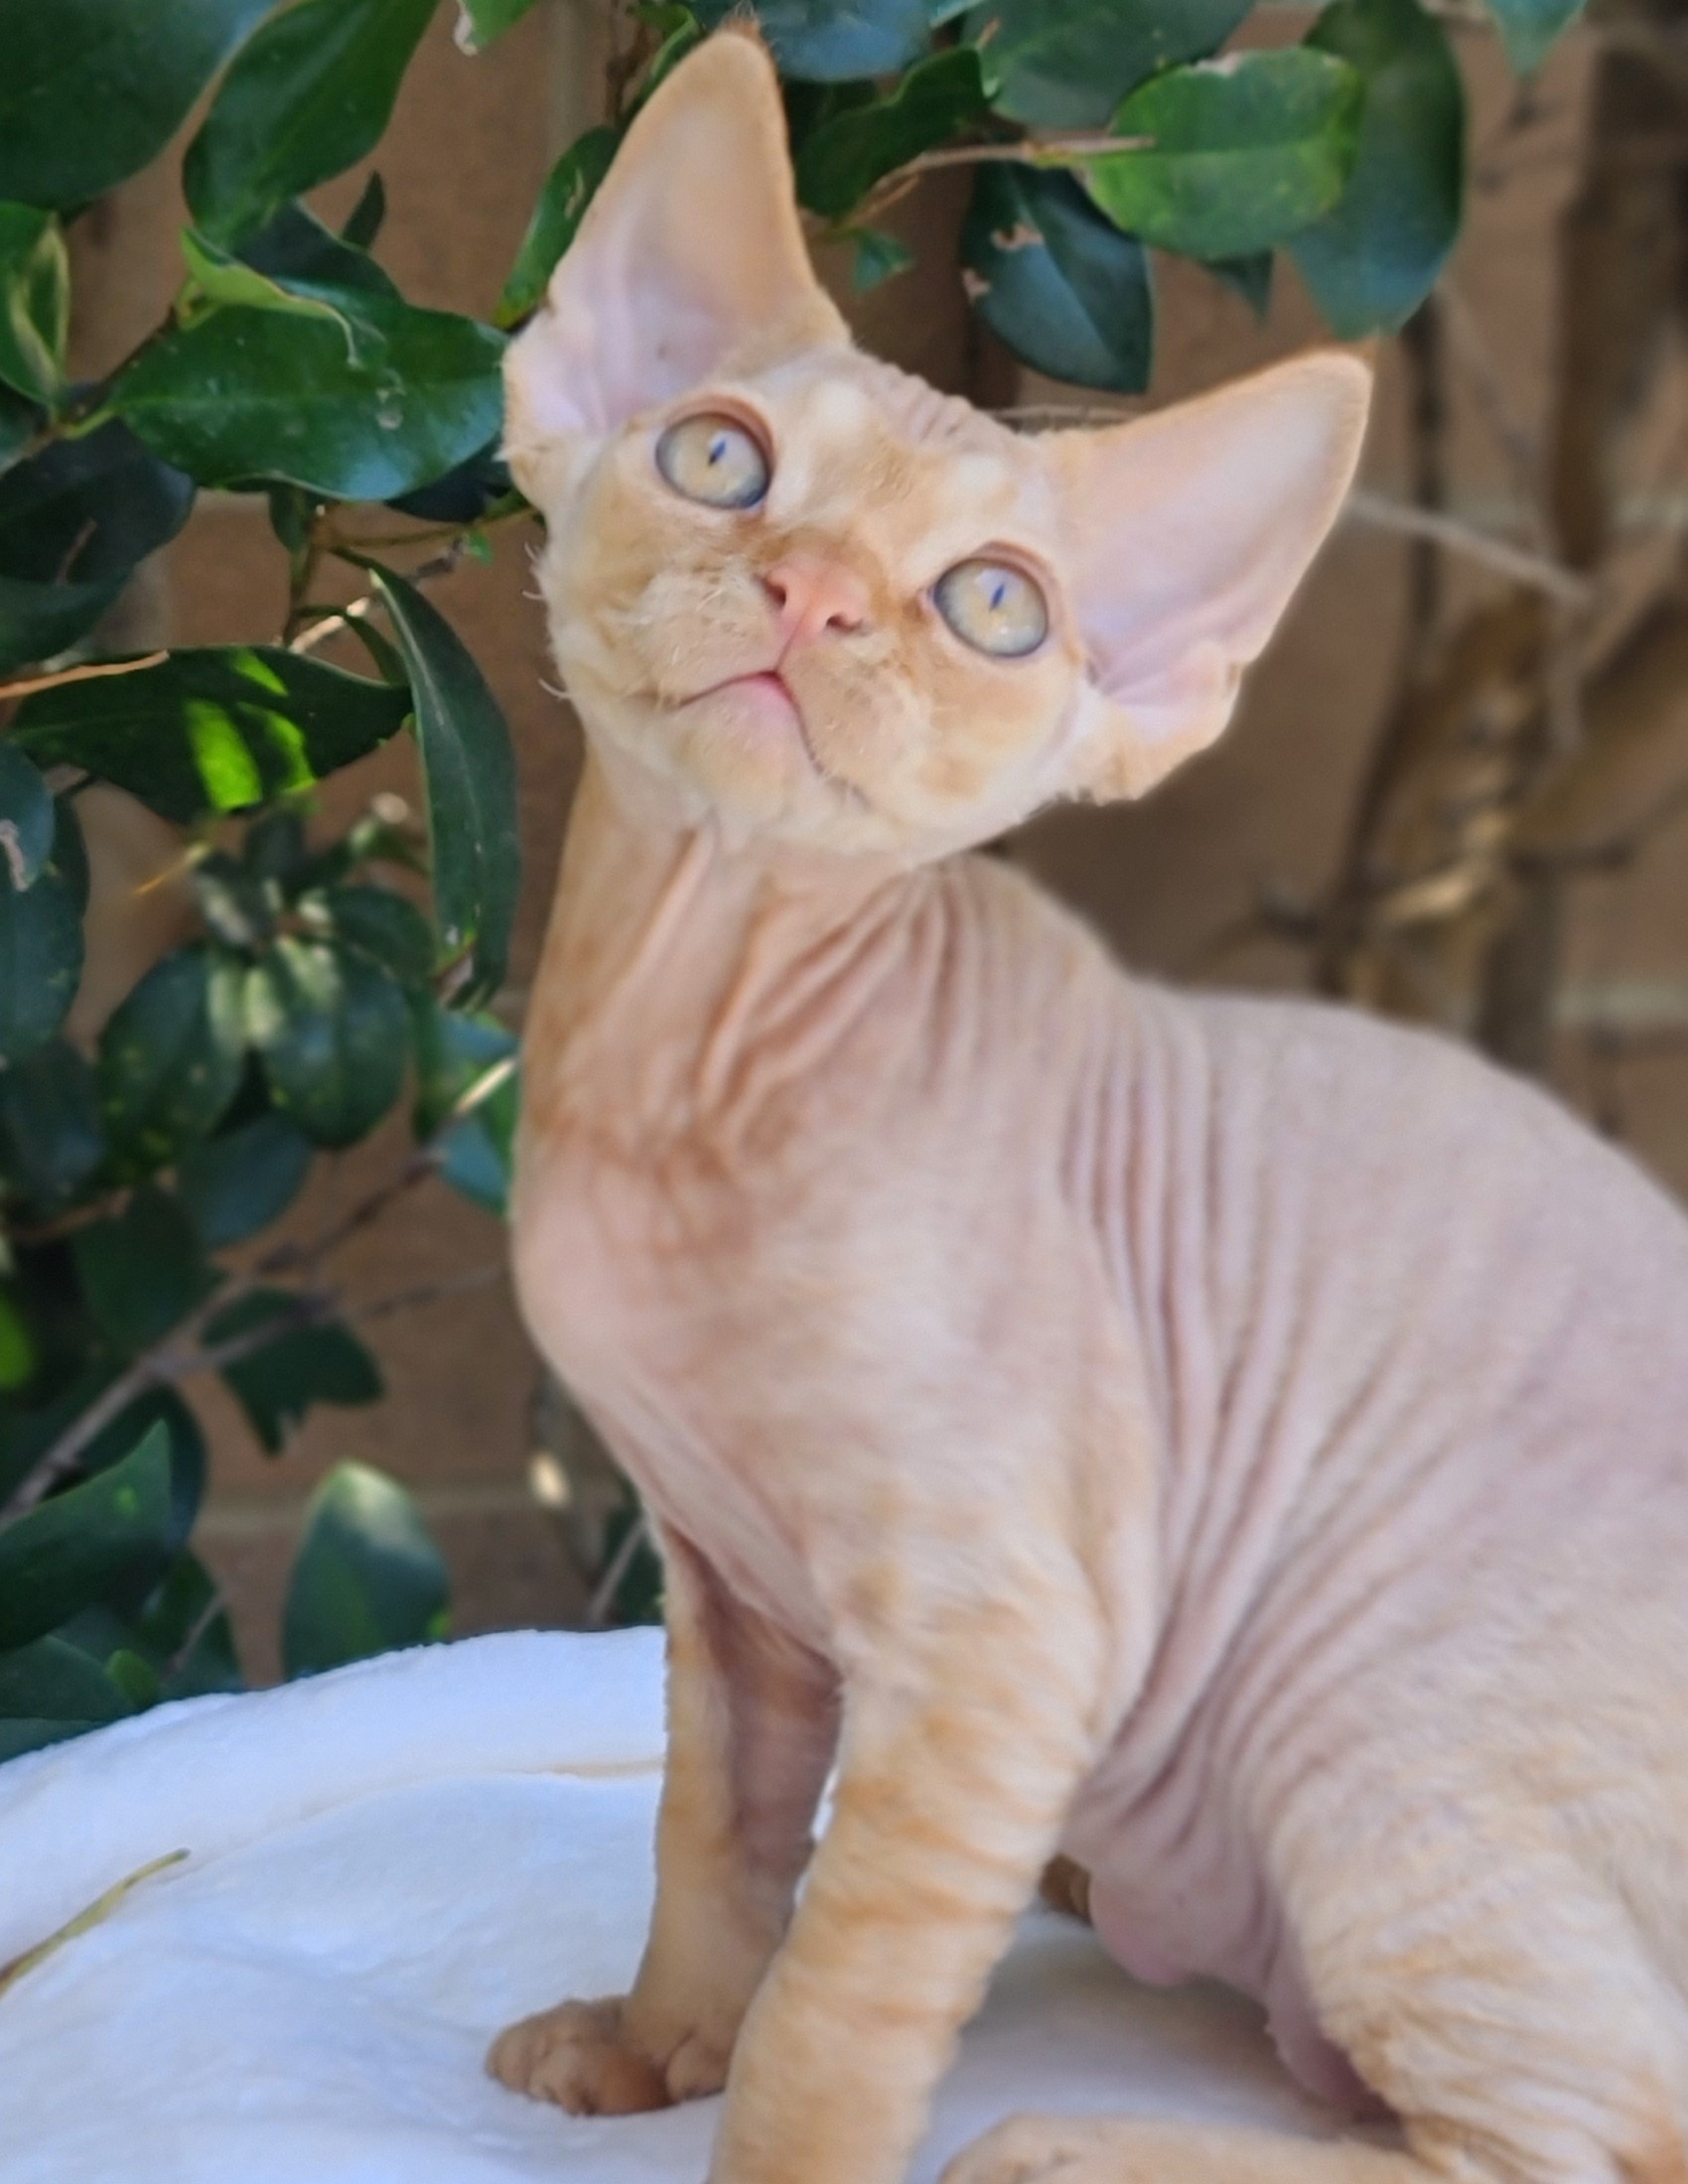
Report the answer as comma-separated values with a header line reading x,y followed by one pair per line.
x,y
328,974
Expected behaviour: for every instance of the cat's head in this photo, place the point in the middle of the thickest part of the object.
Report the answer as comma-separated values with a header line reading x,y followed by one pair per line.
x,y
801,594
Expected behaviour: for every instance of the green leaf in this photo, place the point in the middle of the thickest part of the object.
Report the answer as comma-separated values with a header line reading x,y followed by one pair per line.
x,y
480,21
1249,277
50,1691
334,1034
34,302
170,1056
223,279
377,923
364,221
50,1140
40,954
1245,152
92,90
845,156
296,249
67,1551
455,1052
1372,260
189,1466
471,775
1529,27
308,96
240,1181
186,1636
277,1383
142,1269
238,906
1058,283
1067,63
134,1679
213,730
239,395
19,421
367,1577
20,1355
75,518
831,41
28,818
880,257
567,192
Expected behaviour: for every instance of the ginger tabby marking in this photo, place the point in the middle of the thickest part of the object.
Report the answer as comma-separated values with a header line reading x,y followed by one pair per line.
x,y
1235,1446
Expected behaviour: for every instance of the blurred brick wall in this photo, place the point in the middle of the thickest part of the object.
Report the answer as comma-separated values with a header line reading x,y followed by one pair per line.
x,y
463,163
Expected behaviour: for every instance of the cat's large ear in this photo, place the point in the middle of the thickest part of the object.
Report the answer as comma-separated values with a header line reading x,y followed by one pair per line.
x,y
692,249
1189,529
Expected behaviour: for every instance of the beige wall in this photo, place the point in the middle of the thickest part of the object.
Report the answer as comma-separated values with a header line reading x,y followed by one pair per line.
x,y
462,164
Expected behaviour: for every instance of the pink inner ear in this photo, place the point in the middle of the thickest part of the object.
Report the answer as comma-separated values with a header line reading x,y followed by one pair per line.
x,y
691,248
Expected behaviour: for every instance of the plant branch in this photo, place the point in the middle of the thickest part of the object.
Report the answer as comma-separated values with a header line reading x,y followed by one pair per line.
x,y
32,683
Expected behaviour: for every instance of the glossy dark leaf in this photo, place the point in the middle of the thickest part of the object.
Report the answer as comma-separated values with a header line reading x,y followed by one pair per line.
x,y
471,775
142,1269
18,422
1250,278
1056,281
1374,258
239,395
367,1578
307,98
65,1553
186,1634
94,91
480,21
839,163
462,495
190,1468
334,1034
34,302
219,277
295,246
1067,63
75,518
456,1050
242,1179
170,1056
240,906
213,730
28,818
377,923
1528,28
20,1353
833,40
277,1383
51,1139
567,192
1241,154
880,257
50,1691
40,953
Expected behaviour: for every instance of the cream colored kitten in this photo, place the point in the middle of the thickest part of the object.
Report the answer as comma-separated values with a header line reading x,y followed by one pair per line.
x,y
1236,1445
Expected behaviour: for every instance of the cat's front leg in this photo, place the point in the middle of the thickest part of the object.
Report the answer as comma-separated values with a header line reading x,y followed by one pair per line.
x,y
752,1729
963,1743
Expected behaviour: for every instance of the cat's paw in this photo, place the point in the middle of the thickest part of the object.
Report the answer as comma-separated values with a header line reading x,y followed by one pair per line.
x,y
1025,2150
579,2056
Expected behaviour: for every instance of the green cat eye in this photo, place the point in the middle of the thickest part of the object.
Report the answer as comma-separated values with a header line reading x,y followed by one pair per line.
x,y
713,459
993,607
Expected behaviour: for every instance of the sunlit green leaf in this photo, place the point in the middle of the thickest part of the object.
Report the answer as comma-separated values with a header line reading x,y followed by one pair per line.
x,y
480,21
1238,154
369,1577
307,98
1372,260
213,730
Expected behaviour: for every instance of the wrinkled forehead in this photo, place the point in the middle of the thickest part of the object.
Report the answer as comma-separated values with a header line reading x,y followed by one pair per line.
x,y
871,452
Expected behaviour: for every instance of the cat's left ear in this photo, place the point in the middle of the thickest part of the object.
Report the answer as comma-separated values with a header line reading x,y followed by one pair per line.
x,y
691,250
1189,531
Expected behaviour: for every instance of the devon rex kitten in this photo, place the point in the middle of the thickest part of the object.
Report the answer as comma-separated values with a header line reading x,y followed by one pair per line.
x,y
1237,1445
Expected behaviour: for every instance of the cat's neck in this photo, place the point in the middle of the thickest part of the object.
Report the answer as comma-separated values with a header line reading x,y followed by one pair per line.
x,y
666,942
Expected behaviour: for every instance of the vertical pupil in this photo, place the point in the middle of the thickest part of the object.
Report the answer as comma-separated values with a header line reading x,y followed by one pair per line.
x,y
998,592
718,446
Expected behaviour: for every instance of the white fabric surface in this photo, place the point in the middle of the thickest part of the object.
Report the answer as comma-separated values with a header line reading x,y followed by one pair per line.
x,y
388,1865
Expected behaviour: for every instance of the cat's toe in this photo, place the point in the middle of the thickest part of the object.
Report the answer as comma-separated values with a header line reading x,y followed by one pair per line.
x,y
576,2055
1024,2151
697,2068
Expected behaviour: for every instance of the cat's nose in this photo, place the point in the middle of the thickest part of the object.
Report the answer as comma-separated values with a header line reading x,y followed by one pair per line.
x,y
813,597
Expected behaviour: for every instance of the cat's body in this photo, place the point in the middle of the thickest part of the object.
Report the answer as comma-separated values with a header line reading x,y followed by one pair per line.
x,y
1237,1444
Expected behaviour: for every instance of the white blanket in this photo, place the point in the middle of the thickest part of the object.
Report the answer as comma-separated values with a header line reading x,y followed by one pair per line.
x,y
388,1864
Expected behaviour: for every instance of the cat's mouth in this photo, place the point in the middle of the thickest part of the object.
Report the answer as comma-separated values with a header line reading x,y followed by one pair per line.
x,y
765,693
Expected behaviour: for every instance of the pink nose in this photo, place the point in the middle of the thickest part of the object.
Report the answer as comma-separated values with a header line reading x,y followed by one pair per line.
x,y
813,597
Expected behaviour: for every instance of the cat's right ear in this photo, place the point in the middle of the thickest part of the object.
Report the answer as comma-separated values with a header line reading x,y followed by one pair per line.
x,y
691,251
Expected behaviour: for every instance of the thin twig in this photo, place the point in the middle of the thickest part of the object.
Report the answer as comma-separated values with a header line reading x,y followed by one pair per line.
x,y
1522,567
32,683
100,1909
603,1598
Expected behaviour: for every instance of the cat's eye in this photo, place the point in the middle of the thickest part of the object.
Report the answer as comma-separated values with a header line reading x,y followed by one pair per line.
x,y
993,607
713,459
